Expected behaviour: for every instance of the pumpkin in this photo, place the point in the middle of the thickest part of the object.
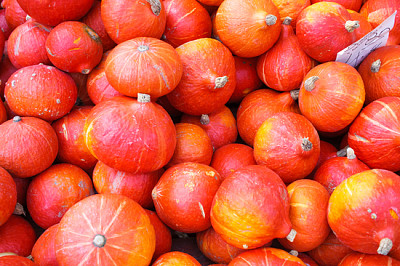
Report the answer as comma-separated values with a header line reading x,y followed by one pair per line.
x,y
378,71
2,43
187,20
172,111
176,258
317,39
15,15
74,47
130,19
241,213
307,260
71,143
374,134
248,28
327,151
333,171
363,211
138,187
143,65
220,126
259,105
29,146
130,135
365,26
291,8
189,246
6,70
5,27
13,260
356,258
331,96
208,78
348,4
183,196
163,235
265,257
308,206
3,113
17,236
22,187
43,251
105,229
8,195
284,66
287,137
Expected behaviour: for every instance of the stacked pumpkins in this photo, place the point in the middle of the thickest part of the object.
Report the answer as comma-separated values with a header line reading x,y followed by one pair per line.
x,y
127,126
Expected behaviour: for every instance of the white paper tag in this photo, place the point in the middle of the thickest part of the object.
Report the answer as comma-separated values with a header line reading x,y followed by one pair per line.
x,y
356,52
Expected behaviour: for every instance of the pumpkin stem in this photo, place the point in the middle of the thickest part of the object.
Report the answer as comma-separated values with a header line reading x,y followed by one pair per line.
x,y
143,98
385,245
143,48
27,17
8,254
204,119
294,253
306,144
350,154
19,209
99,241
181,235
295,94
155,6
342,152
85,71
309,84
270,19
287,21
30,257
376,66
351,25
291,236
220,82
17,118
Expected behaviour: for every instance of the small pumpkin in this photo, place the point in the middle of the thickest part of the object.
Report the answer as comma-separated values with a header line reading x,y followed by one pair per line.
x,y
176,258
14,14
4,26
43,252
290,8
356,258
11,260
265,257
365,26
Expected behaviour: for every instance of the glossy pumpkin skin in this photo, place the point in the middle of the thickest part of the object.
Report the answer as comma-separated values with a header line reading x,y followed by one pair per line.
x,y
40,91
358,259
290,8
284,137
71,142
334,100
26,44
265,257
379,76
138,187
208,78
43,251
74,47
348,4
143,65
163,235
243,26
84,237
29,146
14,14
364,208
176,258
284,66
373,134
258,106
127,148
183,196
317,39
130,19
8,195
13,260
17,236
241,213
365,26
187,20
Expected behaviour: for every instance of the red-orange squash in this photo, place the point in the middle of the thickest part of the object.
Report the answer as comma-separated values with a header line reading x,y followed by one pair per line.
x,y
43,251
266,257
22,188
248,27
13,260
8,195
4,26
163,235
176,258
327,151
359,259
291,8
3,113
348,4
14,14
365,26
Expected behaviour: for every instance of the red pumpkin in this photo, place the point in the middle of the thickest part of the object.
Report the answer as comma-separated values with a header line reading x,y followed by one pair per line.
x,y
6,70
333,171
307,260
138,187
374,134
358,259
142,139
4,26
320,41
331,95
248,28
187,20
53,192
287,137
365,26
8,195
71,142
348,4
266,257
259,105
74,47
208,78
176,258
13,260
308,206
3,113
15,15
327,151
143,65
125,20
17,236
363,211
241,213
183,196
105,229
379,71
163,235
29,146
43,251
57,12
284,66
290,8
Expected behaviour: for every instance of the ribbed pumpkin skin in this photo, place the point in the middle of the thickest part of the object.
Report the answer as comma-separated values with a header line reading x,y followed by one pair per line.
x,y
290,8
143,65
129,135
348,4
43,251
241,25
176,258
365,26
8,195
200,91
364,208
374,134
359,259
28,147
266,257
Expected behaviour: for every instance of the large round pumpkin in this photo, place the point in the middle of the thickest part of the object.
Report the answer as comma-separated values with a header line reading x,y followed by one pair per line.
x,y
8,195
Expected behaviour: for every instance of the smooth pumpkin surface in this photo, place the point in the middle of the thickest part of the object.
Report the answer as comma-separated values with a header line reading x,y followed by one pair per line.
x,y
265,257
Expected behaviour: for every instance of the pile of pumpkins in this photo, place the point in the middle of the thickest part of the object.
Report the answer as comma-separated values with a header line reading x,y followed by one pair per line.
x,y
127,126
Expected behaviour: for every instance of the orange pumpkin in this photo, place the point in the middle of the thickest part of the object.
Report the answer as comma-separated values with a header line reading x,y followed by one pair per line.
x,y
348,4
266,257
163,235
176,258
13,260
43,251
291,8
358,259
365,26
